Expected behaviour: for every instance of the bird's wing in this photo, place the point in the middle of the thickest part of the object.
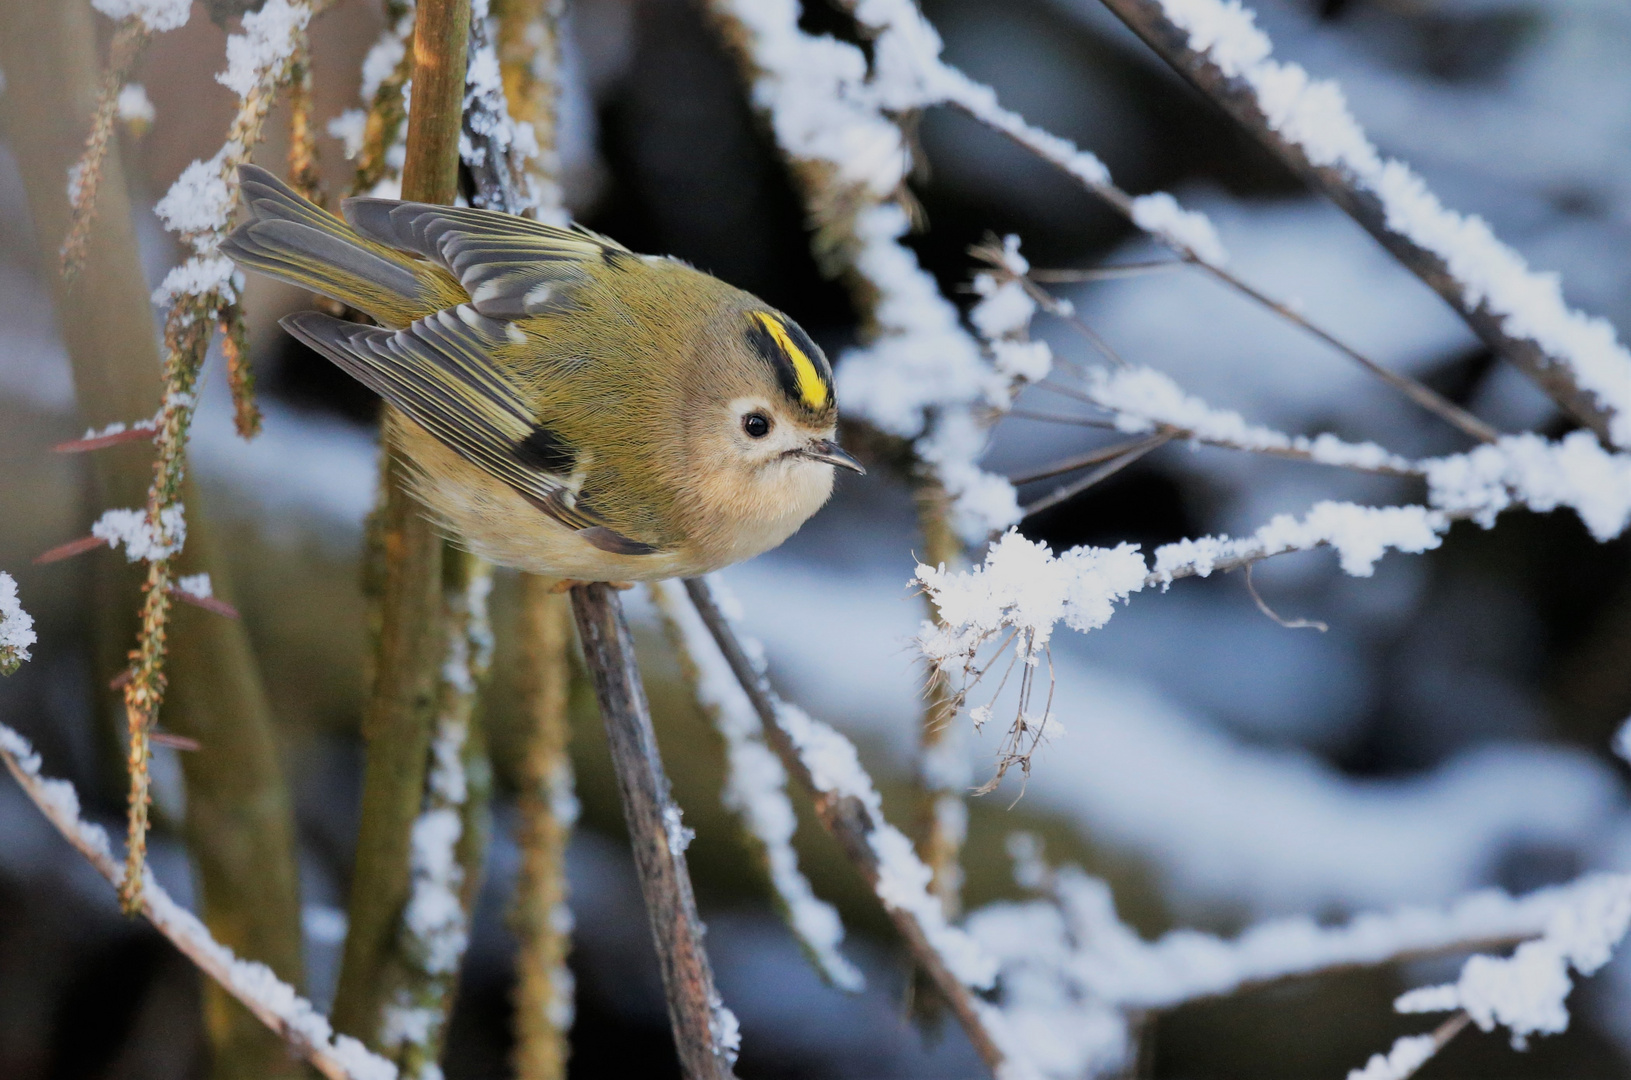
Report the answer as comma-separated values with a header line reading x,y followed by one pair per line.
x,y
510,266
437,372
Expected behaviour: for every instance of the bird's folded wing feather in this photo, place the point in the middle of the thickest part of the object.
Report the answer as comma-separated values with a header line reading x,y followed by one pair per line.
x,y
438,373
510,266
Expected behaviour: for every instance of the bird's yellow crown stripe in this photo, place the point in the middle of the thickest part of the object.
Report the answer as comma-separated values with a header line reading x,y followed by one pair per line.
x,y
812,389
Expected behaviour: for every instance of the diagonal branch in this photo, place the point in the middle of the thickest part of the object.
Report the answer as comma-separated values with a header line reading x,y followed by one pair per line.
x,y
857,828
705,1032
1518,313
273,1001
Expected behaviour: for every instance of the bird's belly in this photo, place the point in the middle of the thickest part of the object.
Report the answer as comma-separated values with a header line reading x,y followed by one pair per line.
x,y
491,519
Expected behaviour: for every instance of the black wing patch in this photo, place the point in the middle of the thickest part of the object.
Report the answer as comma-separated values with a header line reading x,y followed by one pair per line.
x,y
510,266
437,372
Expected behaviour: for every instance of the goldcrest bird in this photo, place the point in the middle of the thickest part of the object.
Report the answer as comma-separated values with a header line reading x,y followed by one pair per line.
x,y
565,406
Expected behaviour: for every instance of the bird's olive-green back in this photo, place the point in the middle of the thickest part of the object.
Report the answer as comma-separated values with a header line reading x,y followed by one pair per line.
x,y
645,351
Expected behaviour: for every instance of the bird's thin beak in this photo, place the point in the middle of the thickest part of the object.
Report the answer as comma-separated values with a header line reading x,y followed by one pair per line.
x,y
833,454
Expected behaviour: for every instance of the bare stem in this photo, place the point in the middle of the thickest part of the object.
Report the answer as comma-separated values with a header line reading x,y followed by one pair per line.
x,y
655,834
547,809
941,814
402,707
1069,491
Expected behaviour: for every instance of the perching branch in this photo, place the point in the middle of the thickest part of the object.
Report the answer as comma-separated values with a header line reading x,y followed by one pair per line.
x,y
1350,177
705,1034
851,823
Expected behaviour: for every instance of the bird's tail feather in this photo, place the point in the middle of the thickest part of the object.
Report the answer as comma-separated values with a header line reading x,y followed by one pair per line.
x,y
290,238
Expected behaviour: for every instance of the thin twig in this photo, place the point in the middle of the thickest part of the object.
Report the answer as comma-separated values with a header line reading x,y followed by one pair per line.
x,y
1107,272
546,810
1071,464
703,1028
1123,204
1102,473
85,177
1427,398
1289,624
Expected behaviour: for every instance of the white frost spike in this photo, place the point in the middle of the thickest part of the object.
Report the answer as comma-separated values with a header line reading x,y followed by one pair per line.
x,y
197,585
267,42
199,201
1525,992
1024,585
1159,213
157,15
16,626
1409,1053
130,529
680,835
133,105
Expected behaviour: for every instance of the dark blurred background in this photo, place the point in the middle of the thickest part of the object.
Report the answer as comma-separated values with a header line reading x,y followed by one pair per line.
x,y
1450,731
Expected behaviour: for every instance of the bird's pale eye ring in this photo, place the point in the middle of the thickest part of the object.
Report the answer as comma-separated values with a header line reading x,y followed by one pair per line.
x,y
756,424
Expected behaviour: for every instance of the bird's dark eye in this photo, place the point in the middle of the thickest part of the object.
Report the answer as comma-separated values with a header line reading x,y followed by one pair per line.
x,y
756,424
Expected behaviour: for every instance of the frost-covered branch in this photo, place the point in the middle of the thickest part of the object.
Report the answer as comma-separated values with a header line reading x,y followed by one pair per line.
x,y
920,374
201,294
1410,1052
1525,992
1023,590
375,138
1518,312
137,22
494,147
274,1002
825,764
755,786
16,627
1074,977
436,923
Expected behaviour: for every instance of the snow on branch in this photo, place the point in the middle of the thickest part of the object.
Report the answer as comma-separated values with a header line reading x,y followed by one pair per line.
x,y
1142,399
835,772
1075,923
1073,975
827,765
1360,535
1519,311
16,627
1525,992
492,144
274,1002
756,787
